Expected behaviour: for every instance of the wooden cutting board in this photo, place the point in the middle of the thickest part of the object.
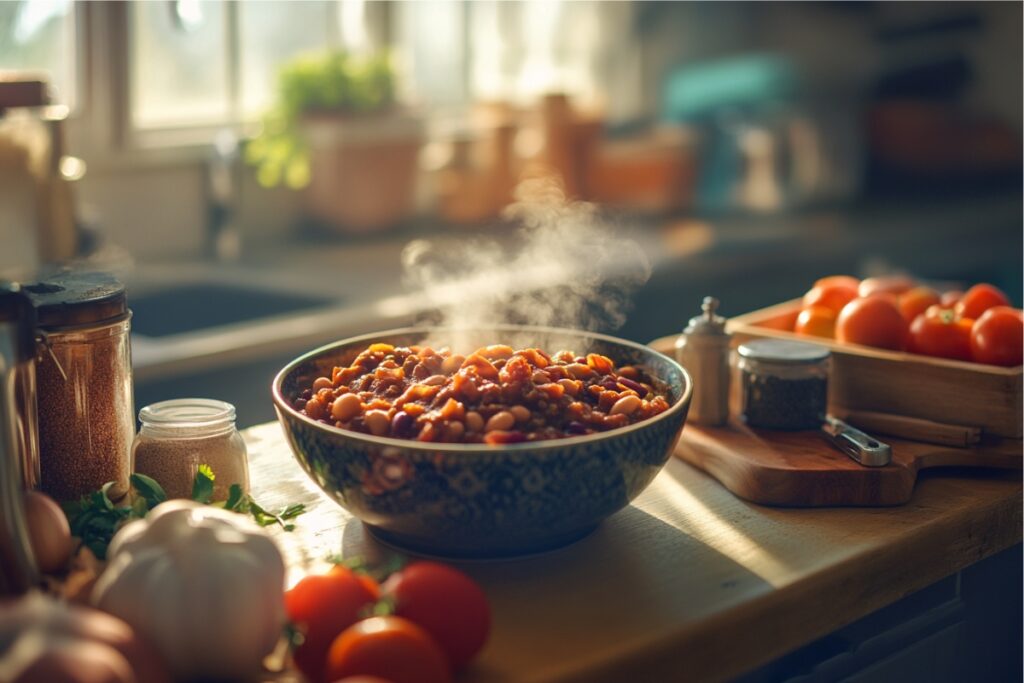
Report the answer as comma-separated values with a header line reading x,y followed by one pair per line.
x,y
803,469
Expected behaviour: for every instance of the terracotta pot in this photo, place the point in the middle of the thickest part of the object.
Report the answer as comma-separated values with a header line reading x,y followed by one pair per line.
x,y
363,169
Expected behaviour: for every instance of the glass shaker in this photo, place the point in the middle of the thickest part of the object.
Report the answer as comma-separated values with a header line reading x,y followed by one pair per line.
x,y
18,570
179,435
84,384
703,349
784,383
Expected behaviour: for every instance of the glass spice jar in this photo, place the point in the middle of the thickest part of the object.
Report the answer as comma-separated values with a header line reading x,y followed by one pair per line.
x,y
179,435
83,384
784,384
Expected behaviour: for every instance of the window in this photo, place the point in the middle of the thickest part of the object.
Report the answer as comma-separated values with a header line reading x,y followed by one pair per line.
x,y
39,36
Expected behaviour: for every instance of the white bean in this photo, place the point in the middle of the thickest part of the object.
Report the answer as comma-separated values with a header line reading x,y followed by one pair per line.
x,y
452,363
377,422
474,421
625,405
521,413
345,407
500,421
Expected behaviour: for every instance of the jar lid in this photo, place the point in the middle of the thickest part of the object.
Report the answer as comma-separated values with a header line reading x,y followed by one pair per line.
x,y
188,416
783,351
74,298
708,322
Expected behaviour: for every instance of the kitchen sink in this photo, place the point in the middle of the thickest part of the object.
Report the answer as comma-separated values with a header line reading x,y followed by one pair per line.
x,y
198,306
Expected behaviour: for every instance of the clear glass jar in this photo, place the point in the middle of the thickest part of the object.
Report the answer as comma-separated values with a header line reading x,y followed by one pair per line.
x,y
86,414
784,384
179,435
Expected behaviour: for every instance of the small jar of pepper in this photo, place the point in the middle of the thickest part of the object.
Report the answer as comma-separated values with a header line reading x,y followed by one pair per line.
x,y
784,384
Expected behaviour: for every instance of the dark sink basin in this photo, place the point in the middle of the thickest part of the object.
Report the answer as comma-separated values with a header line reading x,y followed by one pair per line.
x,y
187,308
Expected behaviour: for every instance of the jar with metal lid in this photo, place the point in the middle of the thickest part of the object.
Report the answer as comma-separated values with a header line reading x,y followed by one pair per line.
x,y
784,384
179,435
84,384
703,349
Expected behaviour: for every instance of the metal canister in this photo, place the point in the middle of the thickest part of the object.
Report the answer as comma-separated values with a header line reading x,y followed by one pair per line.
x,y
18,569
703,349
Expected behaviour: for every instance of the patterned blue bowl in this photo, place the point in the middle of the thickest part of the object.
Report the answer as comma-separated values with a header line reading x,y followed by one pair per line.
x,y
473,500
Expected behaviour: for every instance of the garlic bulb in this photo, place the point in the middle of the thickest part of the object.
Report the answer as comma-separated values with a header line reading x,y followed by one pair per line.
x,y
205,585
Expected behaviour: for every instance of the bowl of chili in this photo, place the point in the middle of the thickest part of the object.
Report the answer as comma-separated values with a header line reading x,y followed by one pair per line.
x,y
495,453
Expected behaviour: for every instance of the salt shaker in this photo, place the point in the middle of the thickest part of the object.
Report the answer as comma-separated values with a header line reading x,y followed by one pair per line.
x,y
703,349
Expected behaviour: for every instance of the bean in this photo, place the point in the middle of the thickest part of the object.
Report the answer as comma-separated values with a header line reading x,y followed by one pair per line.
x,y
452,363
454,431
401,424
306,394
474,421
579,370
571,387
496,351
500,421
314,408
345,407
322,383
520,413
540,377
300,403
377,422
625,405
434,380
635,386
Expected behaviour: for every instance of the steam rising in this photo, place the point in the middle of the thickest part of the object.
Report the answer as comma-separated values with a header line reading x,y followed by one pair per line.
x,y
565,267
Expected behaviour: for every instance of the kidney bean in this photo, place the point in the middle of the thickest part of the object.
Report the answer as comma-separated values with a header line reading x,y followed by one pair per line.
x,y
635,386
576,427
402,424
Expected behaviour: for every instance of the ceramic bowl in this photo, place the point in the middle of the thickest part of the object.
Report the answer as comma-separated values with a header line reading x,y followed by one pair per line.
x,y
475,500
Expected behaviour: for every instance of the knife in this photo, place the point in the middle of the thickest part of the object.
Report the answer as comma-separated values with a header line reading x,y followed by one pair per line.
x,y
863,448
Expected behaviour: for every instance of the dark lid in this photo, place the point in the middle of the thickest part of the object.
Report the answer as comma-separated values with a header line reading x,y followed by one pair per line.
x,y
783,351
73,298
16,307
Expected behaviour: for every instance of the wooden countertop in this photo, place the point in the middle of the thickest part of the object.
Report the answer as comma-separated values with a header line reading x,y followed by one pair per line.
x,y
689,582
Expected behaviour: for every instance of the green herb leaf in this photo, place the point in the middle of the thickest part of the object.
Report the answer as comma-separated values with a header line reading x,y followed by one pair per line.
x,y
202,486
235,498
149,489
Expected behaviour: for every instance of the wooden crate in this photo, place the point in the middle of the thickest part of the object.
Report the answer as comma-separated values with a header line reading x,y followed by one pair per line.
x,y
865,378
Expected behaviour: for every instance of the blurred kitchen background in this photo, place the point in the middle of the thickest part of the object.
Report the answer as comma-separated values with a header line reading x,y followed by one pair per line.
x,y
253,170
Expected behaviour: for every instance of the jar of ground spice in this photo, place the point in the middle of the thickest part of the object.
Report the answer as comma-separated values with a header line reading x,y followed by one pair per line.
x,y
179,435
83,384
784,384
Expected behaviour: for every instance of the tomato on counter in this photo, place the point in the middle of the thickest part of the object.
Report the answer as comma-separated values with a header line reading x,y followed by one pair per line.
x,y
872,321
392,648
446,603
939,332
998,337
322,606
979,299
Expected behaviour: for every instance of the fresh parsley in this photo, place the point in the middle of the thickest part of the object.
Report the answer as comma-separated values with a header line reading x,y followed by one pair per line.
x,y
96,518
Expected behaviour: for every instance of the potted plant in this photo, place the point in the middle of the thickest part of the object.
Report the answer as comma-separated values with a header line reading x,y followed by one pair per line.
x,y
336,133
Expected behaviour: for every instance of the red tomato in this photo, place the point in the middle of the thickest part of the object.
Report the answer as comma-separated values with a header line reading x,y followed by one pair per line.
x,y
890,284
390,647
816,321
979,299
832,295
445,602
873,321
322,606
916,301
938,332
998,337
949,299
